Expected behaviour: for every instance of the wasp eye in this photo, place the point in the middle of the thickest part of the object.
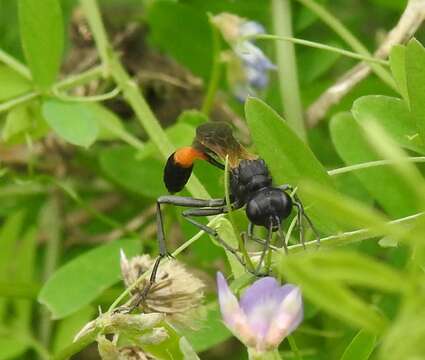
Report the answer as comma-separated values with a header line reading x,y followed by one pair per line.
x,y
175,175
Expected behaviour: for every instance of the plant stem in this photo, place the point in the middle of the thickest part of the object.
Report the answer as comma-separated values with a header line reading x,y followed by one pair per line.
x,y
366,165
94,98
294,347
53,227
287,68
348,37
351,237
208,101
317,45
18,101
67,83
15,64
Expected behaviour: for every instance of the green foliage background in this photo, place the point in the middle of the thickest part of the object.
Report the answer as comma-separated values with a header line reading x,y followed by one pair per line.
x,y
90,108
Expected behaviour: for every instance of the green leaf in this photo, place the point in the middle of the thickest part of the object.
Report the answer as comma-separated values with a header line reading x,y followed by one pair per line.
x,y
191,34
345,211
313,63
11,348
175,347
361,347
331,296
211,332
42,35
389,149
81,280
398,69
67,328
193,118
353,147
226,232
24,120
288,158
109,124
12,84
143,177
393,115
353,269
415,74
74,122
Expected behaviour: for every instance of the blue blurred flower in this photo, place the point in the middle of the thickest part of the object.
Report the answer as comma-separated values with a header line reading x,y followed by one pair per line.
x,y
265,314
248,67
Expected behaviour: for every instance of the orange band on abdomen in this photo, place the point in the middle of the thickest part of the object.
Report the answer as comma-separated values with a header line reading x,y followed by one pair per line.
x,y
185,156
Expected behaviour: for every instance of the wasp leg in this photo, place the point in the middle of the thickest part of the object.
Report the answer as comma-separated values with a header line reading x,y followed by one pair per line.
x,y
300,206
163,252
301,211
266,248
283,239
207,212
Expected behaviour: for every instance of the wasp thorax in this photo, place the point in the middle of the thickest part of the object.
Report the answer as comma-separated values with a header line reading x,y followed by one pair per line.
x,y
249,177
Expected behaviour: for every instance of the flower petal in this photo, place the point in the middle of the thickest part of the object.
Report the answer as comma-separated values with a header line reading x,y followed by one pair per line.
x,y
260,304
287,318
249,28
233,316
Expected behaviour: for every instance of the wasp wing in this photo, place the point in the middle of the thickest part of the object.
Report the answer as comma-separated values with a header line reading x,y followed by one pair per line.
x,y
217,137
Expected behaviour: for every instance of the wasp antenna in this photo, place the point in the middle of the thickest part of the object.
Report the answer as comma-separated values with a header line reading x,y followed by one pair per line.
x,y
179,167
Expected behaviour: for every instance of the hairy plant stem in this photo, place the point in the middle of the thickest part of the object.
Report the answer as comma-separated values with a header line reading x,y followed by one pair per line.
x,y
338,27
317,45
287,68
208,101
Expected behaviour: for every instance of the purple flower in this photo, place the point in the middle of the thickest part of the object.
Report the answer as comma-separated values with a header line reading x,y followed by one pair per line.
x,y
265,314
252,64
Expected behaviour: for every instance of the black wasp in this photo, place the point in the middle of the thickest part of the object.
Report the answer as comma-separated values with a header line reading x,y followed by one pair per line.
x,y
251,186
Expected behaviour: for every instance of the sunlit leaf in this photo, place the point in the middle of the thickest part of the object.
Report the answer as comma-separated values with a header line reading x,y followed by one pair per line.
x,y
12,84
382,182
68,327
393,115
353,268
175,347
331,296
398,69
24,120
81,280
42,34
74,122
11,348
415,74
361,347
211,331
